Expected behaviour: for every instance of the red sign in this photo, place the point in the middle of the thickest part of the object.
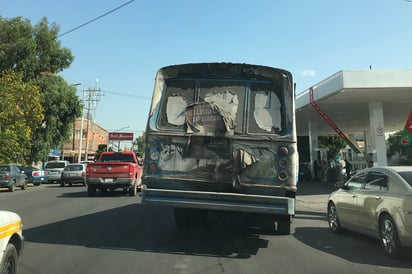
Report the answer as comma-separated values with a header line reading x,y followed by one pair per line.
x,y
120,136
408,125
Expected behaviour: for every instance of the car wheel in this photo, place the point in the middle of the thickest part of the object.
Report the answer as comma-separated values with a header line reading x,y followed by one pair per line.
x,y
133,190
333,219
36,184
389,236
9,262
12,187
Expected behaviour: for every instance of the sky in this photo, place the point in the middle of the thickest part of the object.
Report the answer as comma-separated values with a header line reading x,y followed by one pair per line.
x,y
120,52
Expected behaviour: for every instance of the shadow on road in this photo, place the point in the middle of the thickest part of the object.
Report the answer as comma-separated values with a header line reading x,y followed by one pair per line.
x,y
343,246
147,228
315,188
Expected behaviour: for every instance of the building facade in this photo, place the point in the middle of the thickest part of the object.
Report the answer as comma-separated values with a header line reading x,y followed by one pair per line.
x,y
84,145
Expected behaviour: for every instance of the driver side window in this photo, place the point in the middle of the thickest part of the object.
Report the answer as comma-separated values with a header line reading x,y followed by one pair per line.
x,y
377,181
356,182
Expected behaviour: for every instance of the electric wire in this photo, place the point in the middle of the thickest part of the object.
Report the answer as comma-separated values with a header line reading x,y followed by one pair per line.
x,y
95,19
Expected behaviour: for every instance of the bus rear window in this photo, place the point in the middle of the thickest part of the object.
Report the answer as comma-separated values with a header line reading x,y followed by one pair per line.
x,y
228,99
178,95
265,110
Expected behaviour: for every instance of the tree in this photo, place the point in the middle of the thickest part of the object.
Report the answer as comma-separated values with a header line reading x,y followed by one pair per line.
x,y
333,143
139,142
36,53
21,114
101,148
395,148
31,50
62,106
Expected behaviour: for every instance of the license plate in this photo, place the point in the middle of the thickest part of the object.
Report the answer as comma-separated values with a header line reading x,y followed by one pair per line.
x,y
108,180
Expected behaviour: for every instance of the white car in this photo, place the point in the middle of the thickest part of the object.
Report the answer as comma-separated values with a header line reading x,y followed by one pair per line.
x,y
55,168
11,241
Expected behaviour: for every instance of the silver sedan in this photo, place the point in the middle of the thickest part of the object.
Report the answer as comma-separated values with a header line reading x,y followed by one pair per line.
x,y
376,202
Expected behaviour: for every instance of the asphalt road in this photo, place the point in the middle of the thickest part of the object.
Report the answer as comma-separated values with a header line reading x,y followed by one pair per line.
x,y
68,232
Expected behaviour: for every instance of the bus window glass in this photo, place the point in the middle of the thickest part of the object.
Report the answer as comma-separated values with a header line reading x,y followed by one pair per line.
x,y
178,95
265,113
227,98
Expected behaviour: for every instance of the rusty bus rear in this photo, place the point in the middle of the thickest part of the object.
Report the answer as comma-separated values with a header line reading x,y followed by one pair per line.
x,y
221,136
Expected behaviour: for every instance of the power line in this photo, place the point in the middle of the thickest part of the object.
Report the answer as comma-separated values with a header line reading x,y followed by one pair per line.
x,y
95,19
127,95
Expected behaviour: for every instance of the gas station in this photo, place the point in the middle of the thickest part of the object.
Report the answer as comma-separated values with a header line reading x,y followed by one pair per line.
x,y
352,103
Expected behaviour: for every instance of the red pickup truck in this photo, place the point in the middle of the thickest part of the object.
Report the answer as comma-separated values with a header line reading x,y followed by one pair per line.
x,y
114,170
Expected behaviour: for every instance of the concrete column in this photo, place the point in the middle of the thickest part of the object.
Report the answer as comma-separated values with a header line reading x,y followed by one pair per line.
x,y
368,147
377,134
313,143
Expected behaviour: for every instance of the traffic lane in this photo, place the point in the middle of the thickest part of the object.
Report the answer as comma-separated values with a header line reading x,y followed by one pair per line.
x,y
144,228
114,233
137,227
311,228
133,239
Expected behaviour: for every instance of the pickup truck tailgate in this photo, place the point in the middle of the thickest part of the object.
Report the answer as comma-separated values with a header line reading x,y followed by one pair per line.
x,y
105,170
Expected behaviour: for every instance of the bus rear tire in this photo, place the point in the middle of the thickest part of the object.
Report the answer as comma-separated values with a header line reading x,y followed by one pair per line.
x,y
283,225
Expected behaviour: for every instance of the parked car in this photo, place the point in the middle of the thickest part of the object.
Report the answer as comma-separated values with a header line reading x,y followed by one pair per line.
x,y
11,241
35,175
376,202
73,174
11,177
55,168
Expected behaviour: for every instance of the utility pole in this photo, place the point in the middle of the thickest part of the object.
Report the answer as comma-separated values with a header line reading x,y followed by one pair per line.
x,y
93,97
81,130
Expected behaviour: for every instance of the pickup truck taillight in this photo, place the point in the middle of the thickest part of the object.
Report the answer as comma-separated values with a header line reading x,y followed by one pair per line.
x,y
131,171
87,170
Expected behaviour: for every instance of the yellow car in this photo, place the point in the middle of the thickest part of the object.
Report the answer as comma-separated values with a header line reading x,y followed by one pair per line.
x,y
11,241
376,202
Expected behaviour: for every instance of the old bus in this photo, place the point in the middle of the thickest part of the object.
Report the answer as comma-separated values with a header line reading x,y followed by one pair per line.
x,y
222,137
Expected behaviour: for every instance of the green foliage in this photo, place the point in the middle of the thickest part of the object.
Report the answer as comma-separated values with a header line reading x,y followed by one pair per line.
x,y
139,142
395,148
32,50
21,113
333,143
101,148
35,52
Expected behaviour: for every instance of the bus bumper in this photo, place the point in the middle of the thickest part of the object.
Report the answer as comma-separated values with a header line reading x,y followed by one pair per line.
x,y
275,205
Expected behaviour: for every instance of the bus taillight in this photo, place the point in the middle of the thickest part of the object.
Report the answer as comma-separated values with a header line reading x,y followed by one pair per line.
x,y
283,175
284,151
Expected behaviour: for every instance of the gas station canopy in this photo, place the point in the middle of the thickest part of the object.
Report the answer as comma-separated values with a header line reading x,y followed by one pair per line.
x,y
369,102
